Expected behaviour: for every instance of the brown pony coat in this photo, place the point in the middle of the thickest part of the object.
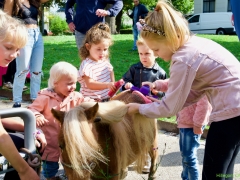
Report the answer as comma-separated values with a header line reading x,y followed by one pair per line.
x,y
113,143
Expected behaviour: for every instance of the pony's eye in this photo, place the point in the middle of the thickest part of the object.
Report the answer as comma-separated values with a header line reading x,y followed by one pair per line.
x,y
97,119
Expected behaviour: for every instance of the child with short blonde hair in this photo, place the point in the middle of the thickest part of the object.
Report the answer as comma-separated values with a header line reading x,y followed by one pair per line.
x,y
145,70
96,74
59,95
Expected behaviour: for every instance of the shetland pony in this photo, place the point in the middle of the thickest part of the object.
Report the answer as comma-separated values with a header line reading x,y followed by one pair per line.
x,y
100,140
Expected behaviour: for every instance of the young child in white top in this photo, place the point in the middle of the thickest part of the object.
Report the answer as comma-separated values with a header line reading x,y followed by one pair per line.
x,y
96,74
199,67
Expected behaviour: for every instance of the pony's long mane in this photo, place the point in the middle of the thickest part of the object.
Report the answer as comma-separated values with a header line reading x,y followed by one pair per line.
x,y
136,126
81,145
126,130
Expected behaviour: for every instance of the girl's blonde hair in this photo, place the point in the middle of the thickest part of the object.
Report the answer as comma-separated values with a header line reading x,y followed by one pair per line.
x,y
59,70
166,24
95,35
12,30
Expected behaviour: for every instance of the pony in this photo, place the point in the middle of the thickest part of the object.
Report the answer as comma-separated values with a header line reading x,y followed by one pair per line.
x,y
100,140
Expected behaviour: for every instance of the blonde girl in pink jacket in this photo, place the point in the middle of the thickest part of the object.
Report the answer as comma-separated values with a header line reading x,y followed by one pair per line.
x,y
191,122
199,67
59,95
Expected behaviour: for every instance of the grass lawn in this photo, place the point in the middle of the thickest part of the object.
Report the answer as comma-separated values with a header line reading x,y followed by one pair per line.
x,y
63,48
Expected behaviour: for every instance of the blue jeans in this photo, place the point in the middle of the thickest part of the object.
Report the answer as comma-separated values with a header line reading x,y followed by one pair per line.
x,y
189,142
135,37
79,38
50,168
30,58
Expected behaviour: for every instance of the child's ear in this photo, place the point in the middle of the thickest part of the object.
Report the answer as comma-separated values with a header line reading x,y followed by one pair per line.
x,y
88,46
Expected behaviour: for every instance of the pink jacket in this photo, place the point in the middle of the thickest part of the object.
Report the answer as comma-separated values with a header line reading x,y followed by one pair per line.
x,y
200,67
196,114
46,100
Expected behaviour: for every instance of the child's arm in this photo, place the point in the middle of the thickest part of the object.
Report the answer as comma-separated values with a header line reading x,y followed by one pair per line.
x,y
13,124
128,78
159,85
37,107
201,115
9,151
112,76
95,85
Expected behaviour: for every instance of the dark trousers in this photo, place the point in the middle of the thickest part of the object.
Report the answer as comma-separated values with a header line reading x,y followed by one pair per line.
x,y
222,146
11,70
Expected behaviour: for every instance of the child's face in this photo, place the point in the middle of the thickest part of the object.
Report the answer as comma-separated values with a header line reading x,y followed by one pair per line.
x,y
146,55
8,52
160,49
65,85
99,51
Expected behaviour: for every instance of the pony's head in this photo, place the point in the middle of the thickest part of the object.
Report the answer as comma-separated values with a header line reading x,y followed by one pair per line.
x,y
78,135
78,140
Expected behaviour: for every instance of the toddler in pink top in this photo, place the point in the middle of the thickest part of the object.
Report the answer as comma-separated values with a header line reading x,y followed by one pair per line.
x,y
59,95
191,121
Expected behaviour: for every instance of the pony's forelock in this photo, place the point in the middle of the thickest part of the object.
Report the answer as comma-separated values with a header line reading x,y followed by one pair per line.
x,y
111,111
81,144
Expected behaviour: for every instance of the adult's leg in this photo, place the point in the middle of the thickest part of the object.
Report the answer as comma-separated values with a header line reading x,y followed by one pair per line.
x,y
189,142
79,38
221,149
36,62
22,64
135,37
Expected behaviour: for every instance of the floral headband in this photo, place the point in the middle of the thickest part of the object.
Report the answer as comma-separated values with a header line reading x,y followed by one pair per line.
x,y
141,25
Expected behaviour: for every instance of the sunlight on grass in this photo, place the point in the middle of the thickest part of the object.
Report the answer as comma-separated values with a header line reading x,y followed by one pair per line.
x,y
63,48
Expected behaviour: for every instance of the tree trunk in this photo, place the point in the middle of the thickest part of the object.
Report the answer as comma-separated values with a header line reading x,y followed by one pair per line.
x,y
119,21
111,21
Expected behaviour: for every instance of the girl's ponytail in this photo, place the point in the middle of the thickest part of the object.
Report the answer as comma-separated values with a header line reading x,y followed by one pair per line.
x,y
170,22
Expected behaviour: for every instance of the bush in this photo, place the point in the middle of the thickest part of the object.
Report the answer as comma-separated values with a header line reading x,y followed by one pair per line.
x,y
125,31
57,25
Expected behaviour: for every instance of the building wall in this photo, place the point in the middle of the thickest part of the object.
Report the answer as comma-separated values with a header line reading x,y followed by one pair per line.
x,y
198,6
220,6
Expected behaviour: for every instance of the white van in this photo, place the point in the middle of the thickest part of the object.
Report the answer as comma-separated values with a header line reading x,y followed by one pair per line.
x,y
211,23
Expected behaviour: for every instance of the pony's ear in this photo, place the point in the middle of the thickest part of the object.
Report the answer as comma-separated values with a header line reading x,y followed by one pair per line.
x,y
59,115
91,112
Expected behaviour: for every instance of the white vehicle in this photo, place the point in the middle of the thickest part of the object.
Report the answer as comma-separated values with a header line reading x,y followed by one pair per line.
x,y
212,23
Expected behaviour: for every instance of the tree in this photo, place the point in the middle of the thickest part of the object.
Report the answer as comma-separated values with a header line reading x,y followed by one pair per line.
x,y
184,6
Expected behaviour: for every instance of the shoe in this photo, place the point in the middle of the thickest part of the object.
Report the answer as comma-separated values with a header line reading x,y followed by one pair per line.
x,y
16,105
25,88
7,85
146,169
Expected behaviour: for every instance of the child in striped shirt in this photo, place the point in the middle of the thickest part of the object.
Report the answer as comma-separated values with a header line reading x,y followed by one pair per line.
x,y
96,74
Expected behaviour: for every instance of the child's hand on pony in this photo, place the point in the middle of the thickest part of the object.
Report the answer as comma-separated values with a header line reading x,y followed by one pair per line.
x,y
40,120
128,85
150,84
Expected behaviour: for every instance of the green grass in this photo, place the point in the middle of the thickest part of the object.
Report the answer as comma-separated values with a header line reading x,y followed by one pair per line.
x,y
63,48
